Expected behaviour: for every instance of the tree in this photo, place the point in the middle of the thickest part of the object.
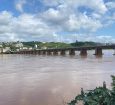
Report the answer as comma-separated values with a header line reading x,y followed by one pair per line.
x,y
98,96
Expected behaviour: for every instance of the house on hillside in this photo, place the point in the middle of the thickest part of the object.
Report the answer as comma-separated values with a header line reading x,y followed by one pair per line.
x,y
19,45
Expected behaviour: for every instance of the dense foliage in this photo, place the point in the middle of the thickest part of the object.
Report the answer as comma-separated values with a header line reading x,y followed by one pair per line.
x,y
47,44
98,96
84,44
59,44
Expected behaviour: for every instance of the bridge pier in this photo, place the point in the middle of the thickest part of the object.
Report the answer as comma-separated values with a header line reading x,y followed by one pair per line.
x,y
44,52
29,52
21,52
17,53
72,52
39,52
114,52
55,52
25,52
49,53
83,52
32,52
98,51
35,52
62,52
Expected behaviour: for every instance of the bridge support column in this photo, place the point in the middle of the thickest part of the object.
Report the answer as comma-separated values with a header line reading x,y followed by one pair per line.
x,y
35,52
32,52
62,52
38,52
55,52
98,51
25,52
49,53
21,52
83,52
44,52
28,52
15,52
71,52
114,52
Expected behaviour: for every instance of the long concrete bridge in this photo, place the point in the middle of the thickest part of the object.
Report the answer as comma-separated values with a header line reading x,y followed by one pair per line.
x,y
62,51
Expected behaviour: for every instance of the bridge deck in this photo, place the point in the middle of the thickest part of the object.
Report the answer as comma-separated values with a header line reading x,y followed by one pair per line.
x,y
80,48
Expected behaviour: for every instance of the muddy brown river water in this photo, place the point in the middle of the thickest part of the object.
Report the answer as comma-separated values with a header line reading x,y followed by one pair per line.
x,y
51,80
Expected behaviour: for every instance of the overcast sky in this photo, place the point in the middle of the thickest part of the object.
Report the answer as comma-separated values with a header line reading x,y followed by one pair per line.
x,y
57,20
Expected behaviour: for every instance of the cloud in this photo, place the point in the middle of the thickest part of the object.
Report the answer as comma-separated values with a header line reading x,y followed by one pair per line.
x,y
73,17
110,5
98,5
19,5
66,19
24,27
88,37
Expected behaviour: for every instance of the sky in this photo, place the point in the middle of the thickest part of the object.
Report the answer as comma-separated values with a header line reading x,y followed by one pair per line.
x,y
57,20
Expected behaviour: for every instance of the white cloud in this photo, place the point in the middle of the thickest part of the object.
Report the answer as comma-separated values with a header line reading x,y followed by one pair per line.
x,y
62,16
19,5
23,27
5,17
97,5
66,19
110,5
88,37
83,22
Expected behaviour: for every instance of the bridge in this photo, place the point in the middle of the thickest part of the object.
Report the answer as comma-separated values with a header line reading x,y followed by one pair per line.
x,y
62,51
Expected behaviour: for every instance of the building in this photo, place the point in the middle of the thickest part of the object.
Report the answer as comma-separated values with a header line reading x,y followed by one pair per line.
x,y
1,50
6,49
19,45
35,46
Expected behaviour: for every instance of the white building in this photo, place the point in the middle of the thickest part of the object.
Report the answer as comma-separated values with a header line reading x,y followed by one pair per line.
x,y
1,45
6,49
19,45
1,50
44,47
25,48
35,46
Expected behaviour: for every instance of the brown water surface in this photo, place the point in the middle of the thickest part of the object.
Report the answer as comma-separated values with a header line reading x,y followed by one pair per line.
x,y
51,80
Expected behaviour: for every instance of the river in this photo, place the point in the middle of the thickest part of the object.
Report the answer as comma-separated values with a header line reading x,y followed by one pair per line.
x,y
51,80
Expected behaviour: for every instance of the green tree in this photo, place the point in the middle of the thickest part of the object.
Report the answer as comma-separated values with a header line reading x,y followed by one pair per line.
x,y
98,96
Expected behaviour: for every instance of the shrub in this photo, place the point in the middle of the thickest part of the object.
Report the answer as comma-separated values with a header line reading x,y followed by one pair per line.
x,y
98,96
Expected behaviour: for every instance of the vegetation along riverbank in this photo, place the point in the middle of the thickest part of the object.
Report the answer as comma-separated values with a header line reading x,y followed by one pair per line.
x,y
98,96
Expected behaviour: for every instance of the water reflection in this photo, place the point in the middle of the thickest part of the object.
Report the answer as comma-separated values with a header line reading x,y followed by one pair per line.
x,y
51,80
